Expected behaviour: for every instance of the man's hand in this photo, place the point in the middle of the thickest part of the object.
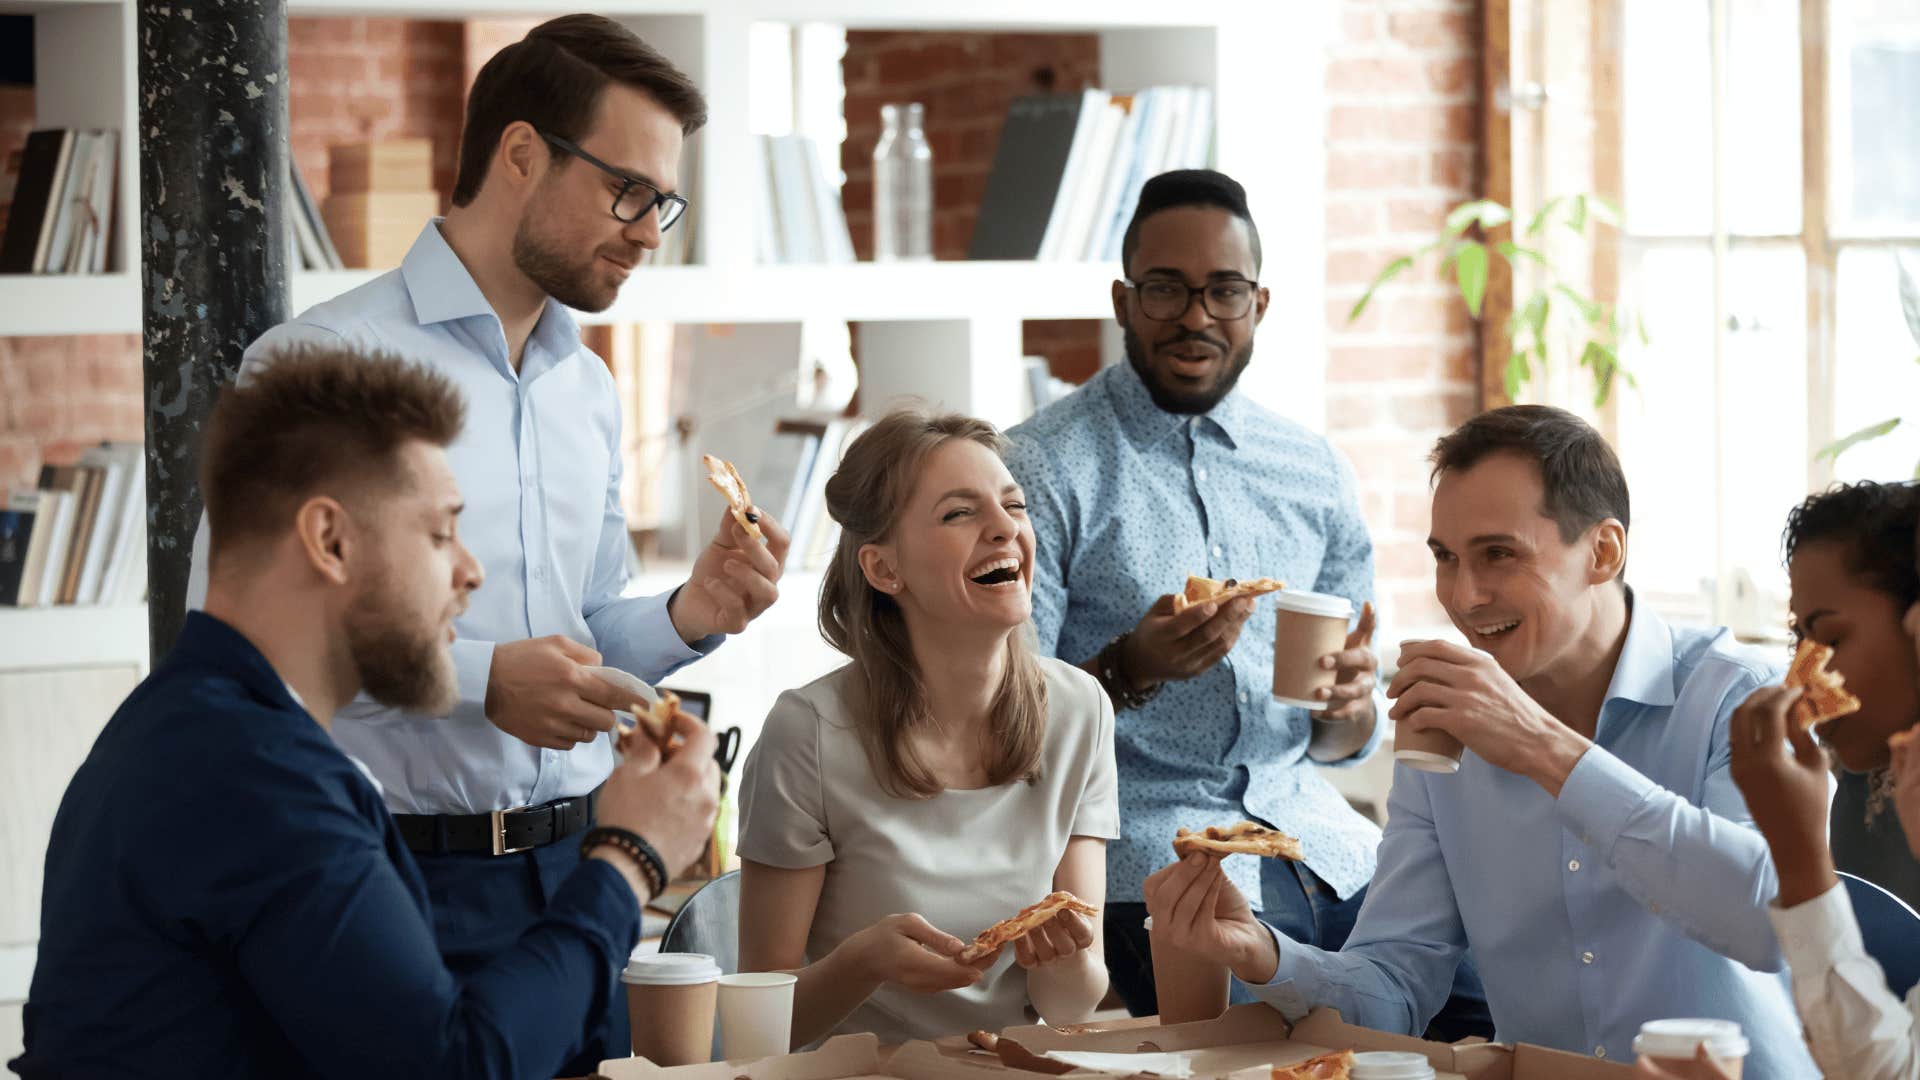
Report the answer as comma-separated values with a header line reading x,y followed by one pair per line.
x,y
1702,1067
1357,670
1196,910
1906,785
671,806
1783,775
540,692
1466,693
1166,647
734,580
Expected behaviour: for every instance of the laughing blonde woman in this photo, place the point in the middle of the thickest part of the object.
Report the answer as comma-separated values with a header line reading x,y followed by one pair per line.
x,y
943,779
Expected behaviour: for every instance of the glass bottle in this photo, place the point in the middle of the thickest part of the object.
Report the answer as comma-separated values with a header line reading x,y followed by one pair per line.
x,y
902,187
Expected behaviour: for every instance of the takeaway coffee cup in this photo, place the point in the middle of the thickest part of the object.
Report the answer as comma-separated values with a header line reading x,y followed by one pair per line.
x,y
1431,750
1391,1065
1307,626
1671,1042
670,1000
756,1015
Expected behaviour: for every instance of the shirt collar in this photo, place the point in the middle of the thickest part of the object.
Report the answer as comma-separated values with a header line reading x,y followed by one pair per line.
x,y
208,641
1645,671
1146,422
443,290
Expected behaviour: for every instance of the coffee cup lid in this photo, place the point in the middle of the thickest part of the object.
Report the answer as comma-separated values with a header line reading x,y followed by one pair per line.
x,y
670,969
1680,1037
1313,603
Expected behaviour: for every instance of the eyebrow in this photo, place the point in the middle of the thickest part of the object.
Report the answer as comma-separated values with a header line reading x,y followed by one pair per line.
x,y
970,493
1217,275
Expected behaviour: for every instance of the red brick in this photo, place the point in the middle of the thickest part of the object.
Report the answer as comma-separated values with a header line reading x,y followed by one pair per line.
x,y
1359,26
1426,215
1453,76
1434,29
1355,170
1350,220
1347,409
1382,363
1441,410
1375,76
1455,169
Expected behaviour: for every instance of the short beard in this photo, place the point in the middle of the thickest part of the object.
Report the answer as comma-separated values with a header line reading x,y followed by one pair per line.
x,y
401,664
555,274
1177,401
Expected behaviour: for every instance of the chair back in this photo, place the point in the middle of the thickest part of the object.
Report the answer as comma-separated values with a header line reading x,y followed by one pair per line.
x,y
709,922
1890,929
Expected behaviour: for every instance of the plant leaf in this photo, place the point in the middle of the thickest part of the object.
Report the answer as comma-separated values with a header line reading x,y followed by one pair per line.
x,y
1577,217
1472,271
1909,298
1604,210
1509,249
1392,270
1865,434
1517,374
1604,363
1590,309
1540,219
1484,212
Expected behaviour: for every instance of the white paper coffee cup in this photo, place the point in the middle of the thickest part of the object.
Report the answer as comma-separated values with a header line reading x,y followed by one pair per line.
x,y
1391,1065
670,1006
1672,1041
756,1015
1306,627
1430,749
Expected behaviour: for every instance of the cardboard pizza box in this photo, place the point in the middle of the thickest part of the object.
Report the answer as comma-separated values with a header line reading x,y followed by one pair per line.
x,y
843,1057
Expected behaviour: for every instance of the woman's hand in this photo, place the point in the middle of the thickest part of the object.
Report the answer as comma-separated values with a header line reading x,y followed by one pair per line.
x,y
1056,939
910,952
1702,1067
1783,775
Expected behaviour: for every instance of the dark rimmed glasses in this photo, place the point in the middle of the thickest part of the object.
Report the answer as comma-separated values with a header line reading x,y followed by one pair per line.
x,y
1167,299
636,197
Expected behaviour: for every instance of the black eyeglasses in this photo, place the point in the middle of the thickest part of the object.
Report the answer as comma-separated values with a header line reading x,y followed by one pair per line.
x,y
1167,299
636,197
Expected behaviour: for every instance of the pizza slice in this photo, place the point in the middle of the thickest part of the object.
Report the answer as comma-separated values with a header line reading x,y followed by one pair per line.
x,y
655,724
1824,695
1028,920
1335,1066
1246,838
1199,590
721,474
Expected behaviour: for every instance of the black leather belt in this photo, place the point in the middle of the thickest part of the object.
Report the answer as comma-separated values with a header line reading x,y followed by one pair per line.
x,y
501,832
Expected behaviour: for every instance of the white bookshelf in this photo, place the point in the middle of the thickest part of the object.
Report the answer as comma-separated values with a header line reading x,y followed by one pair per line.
x,y
72,636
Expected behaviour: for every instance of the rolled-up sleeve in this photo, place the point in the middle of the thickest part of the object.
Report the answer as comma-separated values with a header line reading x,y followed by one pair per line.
x,y
783,819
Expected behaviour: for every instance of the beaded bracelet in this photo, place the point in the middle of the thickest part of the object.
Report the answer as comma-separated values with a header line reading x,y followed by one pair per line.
x,y
1114,680
634,847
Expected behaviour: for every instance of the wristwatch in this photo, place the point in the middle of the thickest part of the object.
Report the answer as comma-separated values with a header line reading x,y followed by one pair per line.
x,y
1115,683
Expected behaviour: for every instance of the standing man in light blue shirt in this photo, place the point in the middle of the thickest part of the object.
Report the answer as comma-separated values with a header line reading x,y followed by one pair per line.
x,y
568,165
1158,469
1592,850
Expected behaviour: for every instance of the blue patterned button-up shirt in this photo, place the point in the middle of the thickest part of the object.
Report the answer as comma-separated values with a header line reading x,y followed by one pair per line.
x,y
1126,500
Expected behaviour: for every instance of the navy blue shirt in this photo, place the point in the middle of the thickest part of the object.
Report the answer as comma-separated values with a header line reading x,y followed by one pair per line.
x,y
226,895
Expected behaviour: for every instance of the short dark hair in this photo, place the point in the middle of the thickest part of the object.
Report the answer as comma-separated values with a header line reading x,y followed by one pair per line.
x,y
1188,187
553,79
1579,472
1876,525
312,419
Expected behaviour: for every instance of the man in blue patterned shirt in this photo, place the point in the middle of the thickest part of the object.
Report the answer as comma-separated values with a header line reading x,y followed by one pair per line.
x,y
1156,470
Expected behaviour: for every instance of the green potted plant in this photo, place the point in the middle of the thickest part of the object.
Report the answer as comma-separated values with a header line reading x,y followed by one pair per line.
x,y
1910,310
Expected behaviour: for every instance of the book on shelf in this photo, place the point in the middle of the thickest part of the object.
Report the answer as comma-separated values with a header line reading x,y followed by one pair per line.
x,y
801,217
81,535
16,533
1069,169
780,483
62,210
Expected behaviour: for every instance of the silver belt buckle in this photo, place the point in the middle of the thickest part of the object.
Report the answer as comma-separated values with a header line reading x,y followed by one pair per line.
x,y
498,819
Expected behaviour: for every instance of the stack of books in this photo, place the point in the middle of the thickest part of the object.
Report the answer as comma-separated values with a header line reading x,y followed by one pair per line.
x,y
311,241
81,536
801,219
379,196
1070,167
791,483
62,213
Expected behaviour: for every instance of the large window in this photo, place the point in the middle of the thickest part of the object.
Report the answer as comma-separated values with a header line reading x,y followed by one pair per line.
x,y
1769,174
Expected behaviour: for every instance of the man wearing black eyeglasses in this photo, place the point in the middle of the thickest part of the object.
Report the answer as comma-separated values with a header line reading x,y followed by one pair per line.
x,y
568,176
1159,469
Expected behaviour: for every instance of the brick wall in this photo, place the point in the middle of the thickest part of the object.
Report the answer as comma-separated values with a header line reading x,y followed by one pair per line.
x,y
353,79
1403,143
59,395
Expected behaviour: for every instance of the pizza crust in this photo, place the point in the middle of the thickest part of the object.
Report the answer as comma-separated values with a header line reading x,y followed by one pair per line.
x,y
1028,920
655,725
1245,838
722,475
1199,590
1824,695
1335,1066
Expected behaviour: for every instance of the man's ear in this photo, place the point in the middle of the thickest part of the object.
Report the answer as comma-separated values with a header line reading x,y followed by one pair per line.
x,y
882,572
521,155
1260,299
1120,304
326,537
1608,546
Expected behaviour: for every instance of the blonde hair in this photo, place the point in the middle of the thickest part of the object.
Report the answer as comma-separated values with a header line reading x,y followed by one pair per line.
x,y
866,496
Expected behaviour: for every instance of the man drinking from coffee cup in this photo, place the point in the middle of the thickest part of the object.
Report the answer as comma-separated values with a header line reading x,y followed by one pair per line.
x,y
1592,849
226,894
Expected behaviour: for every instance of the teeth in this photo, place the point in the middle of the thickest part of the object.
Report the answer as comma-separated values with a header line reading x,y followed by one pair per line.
x,y
1489,631
990,567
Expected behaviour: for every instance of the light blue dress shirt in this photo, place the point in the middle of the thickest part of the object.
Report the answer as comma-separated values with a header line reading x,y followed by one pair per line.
x,y
1126,500
1640,893
539,466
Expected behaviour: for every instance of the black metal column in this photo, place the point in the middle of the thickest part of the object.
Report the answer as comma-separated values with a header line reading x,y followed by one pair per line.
x,y
213,245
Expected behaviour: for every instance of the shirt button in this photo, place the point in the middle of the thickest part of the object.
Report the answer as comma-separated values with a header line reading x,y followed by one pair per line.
x,y
1200,473
1586,958
1243,697
1218,551
1573,865
1599,1051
